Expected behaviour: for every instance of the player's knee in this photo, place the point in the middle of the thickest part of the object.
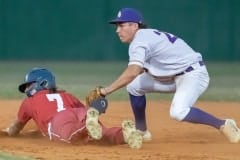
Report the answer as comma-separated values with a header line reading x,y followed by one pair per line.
x,y
179,113
133,90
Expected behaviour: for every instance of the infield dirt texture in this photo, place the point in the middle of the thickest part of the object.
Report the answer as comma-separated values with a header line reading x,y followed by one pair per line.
x,y
171,140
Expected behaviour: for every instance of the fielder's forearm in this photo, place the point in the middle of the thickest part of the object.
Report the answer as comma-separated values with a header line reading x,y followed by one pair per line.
x,y
124,79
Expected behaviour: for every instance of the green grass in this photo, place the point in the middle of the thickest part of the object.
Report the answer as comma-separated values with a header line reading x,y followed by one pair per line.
x,y
5,156
79,77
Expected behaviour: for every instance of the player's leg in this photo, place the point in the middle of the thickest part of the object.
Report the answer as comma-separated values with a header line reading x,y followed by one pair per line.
x,y
92,124
122,135
189,87
138,104
68,126
131,136
137,89
112,135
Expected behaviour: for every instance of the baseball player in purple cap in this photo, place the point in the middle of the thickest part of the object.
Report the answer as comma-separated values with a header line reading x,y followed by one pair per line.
x,y
162,62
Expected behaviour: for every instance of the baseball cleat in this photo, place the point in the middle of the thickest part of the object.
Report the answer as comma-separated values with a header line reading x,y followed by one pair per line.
x,y
231,131
147,136
92,125
131,136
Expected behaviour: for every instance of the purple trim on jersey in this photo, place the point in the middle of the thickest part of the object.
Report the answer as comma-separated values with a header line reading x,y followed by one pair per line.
x,y
198,116
172,38
138,104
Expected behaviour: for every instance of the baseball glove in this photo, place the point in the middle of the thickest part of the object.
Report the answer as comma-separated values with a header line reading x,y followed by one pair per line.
x,y
93,95
99,104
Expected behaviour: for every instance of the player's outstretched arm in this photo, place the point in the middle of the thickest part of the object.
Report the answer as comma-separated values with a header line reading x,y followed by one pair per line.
x,y
14,128
128,75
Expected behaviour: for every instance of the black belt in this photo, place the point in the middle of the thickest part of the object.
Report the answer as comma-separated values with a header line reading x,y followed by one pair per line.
x,y
190,68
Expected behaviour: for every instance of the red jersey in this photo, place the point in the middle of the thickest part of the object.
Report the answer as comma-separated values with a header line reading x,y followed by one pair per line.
x,y
42,106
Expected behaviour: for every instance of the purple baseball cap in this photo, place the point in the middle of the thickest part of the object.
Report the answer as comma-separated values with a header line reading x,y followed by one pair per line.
x,y
128,15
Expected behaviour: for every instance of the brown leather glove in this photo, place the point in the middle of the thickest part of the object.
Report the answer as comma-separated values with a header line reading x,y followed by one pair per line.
x,y
93,95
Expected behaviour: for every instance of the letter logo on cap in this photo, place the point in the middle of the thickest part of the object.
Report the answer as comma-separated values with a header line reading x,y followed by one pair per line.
x,y
119,14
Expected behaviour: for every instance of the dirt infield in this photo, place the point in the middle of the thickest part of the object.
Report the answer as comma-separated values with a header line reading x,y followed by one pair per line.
x,y
171,140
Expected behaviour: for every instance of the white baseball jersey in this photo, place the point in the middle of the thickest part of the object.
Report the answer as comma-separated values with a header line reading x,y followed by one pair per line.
x,y
163,54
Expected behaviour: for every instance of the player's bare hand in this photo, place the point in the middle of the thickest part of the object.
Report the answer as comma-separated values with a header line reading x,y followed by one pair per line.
x,y
4,132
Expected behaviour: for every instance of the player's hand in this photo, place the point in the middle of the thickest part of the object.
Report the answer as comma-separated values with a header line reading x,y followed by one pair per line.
x,y
103,91
4,132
